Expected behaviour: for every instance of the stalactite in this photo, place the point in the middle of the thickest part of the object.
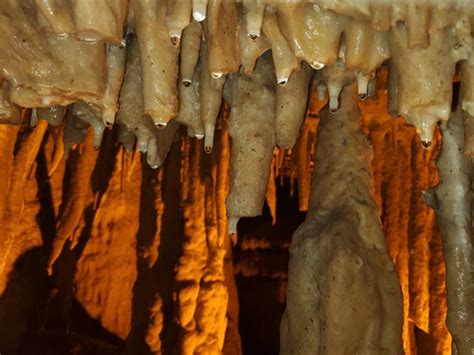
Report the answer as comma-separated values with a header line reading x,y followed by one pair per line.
x,y
340,250
13,245
291,103
271,193
251,127
74,204
232,344
452,200
222,38
156,50
63,61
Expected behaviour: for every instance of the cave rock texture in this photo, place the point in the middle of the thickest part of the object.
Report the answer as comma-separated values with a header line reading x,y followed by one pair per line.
x,y
150,151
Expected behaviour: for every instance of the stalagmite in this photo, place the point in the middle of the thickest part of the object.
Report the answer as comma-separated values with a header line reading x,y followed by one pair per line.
x,y
251,126
340,250
452,201
291,102
159,60
190,45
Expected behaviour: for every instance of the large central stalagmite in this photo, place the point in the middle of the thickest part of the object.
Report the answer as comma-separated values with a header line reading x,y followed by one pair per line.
x,y
452,200
343,295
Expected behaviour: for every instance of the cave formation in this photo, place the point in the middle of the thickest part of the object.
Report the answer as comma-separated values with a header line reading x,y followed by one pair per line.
x,y
228,177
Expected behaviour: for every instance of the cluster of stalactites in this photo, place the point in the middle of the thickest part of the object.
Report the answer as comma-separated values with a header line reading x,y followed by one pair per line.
x,y
176,60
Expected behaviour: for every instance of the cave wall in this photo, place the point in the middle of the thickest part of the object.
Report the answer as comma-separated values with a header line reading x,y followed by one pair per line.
x,y
402,171
145,257
148,246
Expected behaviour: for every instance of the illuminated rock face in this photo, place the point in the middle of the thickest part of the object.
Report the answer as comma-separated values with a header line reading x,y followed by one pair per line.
x,y
340,273
158,283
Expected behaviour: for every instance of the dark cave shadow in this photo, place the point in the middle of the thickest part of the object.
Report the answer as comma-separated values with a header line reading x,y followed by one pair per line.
x,y
261,298
160,278
34,324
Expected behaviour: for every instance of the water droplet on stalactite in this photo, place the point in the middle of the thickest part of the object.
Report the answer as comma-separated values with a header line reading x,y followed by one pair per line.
x,y
426,143
175,40
199,16
316,65
282,81
217,74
